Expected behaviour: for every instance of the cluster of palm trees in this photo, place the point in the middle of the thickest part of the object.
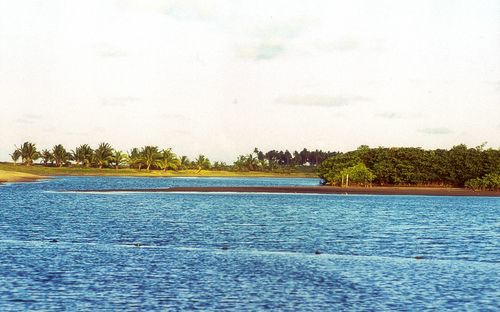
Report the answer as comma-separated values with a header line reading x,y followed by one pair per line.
x,y
104,156
151,157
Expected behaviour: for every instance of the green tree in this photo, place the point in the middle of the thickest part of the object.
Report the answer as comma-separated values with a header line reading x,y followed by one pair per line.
x,y
135,158
47,157
15,156
150,155
168,160
29,153
118,158
61,156
240,164
358,174
330,170
103,155
251,162
202,163
83,155
184,162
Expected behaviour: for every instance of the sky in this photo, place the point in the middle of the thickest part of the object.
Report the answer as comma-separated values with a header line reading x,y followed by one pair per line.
x,y
222,77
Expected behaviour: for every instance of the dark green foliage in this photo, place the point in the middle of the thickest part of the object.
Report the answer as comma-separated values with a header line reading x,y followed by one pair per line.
x,y
416,166
490,182
279,161
285,158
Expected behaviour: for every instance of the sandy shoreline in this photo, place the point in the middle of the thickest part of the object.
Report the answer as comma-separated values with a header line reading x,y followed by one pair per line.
x,y
313,190
14,176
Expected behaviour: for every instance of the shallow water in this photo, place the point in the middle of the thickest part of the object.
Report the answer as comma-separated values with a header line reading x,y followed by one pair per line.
x,y
243,251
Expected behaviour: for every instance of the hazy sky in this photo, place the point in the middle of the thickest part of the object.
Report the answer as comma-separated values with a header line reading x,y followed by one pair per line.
x,y
222,77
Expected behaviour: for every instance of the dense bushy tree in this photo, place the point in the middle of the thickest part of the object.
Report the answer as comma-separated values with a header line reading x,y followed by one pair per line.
x,y
416,166
489,182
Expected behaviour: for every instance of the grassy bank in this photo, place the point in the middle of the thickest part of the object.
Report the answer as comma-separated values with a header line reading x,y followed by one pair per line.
x,y
78,171
14,176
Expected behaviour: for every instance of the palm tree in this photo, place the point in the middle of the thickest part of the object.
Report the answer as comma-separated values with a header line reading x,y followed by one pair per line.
x,y
28,153
239,164
168,159
15,156
61,156
219,165
150,155
184,162
251,162
202,163
272,164
135,158
118,158
103,154
47,157
83,155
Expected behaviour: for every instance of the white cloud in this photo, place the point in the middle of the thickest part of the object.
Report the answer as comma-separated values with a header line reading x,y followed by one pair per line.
x,y
321,100
107,50
436,131
180,9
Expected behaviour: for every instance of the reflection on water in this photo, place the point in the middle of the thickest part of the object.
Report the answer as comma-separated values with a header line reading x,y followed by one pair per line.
x,y
162,251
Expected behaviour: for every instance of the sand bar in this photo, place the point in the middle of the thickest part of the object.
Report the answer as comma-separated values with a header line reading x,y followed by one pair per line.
x,y
14,176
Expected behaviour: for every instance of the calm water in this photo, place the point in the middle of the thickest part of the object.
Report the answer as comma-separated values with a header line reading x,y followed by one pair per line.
x,y
243,251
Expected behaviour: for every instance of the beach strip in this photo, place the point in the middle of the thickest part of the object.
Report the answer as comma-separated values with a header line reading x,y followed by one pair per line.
x,y
14,176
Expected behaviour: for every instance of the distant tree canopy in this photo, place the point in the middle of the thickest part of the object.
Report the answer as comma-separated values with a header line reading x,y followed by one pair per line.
x,y
476,168
416,166
154,158
286,158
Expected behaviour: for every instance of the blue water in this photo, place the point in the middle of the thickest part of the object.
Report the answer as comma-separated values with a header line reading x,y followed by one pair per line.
x,y
243,252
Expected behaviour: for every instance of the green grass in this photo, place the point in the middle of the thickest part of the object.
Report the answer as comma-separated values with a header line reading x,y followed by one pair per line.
x,y
79,171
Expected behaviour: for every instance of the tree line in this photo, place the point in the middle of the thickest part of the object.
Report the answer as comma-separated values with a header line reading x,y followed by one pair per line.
x,y
154,158
476,168
105,156
275,160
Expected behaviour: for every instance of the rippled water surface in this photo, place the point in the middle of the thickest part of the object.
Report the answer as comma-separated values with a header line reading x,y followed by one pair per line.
x,y
76,251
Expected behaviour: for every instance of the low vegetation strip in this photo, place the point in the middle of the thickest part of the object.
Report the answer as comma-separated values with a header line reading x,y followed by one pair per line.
x,y
310,190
